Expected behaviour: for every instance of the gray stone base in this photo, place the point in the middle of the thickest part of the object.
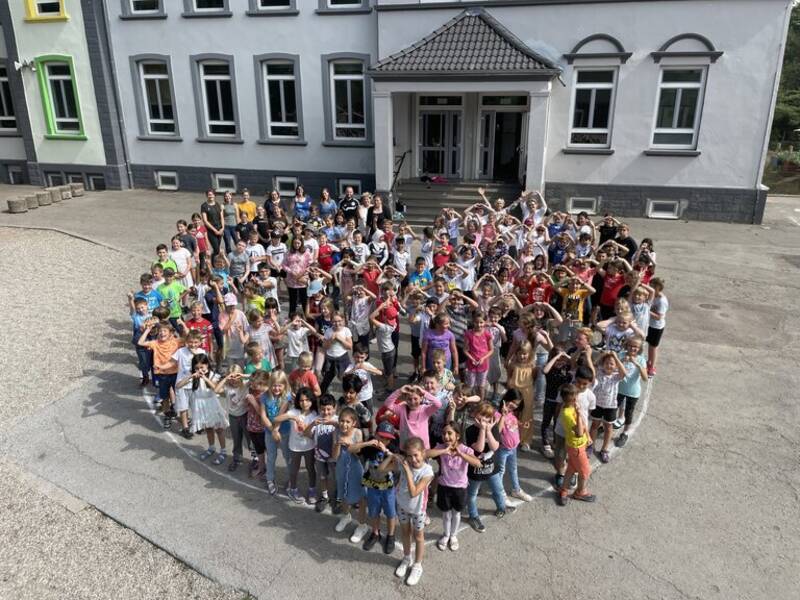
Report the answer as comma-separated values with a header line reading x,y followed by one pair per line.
x,y
198,179
696,203
93,177
17,166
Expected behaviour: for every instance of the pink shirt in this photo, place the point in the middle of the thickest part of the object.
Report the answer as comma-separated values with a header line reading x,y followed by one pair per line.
x,y
477,344
296,265
414,423
509,435
453,469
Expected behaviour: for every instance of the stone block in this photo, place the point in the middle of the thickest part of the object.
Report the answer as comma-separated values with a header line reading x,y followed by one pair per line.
x,y
32,201
77,189
43,198
66,192
17,205
55,194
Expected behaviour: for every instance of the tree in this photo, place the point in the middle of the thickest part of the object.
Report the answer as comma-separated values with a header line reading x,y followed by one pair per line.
x,y
787,107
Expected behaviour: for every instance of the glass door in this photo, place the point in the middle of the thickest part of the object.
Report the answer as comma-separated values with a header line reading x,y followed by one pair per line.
x,y
440,143
486,147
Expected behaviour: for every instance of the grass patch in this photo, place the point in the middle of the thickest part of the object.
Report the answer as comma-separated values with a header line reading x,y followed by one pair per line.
x,y
782,183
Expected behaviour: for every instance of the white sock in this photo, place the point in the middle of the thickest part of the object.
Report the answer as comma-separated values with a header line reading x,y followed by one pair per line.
x,y
446,519
455,522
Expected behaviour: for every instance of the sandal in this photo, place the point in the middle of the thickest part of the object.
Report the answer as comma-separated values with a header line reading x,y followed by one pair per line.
x,y
585,497
219,459
207,454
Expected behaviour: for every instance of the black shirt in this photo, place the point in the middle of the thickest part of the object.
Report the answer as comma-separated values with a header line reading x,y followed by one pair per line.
x,y
630,244
263,227
213,213
243,230
607,232
188,241
488,465
349,206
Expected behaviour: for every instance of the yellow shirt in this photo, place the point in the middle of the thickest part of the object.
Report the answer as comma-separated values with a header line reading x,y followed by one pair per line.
x,y
569,419
248,208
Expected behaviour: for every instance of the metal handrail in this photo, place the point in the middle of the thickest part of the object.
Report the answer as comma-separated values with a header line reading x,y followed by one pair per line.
x,y
398,167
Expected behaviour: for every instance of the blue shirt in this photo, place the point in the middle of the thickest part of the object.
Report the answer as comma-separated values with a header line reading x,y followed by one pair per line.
x,y
631,385
138,325
153,297
420,279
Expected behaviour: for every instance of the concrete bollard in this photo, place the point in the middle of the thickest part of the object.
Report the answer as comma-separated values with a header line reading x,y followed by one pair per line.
x,y
32,201
66,192
77,189
43,198
55,194
17,205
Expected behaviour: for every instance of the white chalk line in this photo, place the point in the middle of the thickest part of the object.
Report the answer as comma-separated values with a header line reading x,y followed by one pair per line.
x,y
596,465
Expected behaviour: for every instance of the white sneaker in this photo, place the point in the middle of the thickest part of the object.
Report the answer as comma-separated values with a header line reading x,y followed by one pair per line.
x,y
359,533
513,503
524,448
522,496
402,568
344,521
547,450
441,543
454,544
415,575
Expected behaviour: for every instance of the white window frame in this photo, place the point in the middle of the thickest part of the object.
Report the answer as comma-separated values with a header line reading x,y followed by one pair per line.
x,y
218,187
145,11
169,187
348,77
612,101
143,81
659,214
268,108
701,86
287,5
38,4
343,184
203,79
280,181
70,77
7,112
574,210
197,9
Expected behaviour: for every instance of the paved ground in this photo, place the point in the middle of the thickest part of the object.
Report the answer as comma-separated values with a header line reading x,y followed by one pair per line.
x,y
703,503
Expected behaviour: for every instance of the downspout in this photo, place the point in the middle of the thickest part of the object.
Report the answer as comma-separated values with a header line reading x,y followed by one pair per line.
x,y
768,126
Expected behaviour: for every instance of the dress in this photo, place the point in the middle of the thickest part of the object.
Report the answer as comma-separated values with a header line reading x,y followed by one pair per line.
x,y
521,379
349,472
495,371
207,410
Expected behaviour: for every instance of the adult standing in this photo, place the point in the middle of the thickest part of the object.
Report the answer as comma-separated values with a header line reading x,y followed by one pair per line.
x,y
349,205
327,205
211,212
377,215
230,217
262,225
272,203
363,210
296,264
247,206
301,207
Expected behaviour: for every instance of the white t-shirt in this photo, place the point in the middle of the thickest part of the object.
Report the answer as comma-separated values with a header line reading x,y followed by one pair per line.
x,y
359,315
297,341
365,395
412,506
253,251
383,333
311,245
183,356
235,399
297,441
426,252
181,256
336,349
400,260
277,252
361,252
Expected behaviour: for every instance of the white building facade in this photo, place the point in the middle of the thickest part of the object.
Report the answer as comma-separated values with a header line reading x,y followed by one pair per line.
x,y
639,107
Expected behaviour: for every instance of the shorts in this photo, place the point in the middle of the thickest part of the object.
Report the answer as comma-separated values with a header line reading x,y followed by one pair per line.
x,y
476,378
417,521
450,498
381,501
257,438
654,336
181,400
388,360
578,461
326,469
166,382
416,349
607,415
560,448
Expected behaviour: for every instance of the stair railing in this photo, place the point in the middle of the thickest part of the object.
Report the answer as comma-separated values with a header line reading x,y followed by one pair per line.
x,y
398,164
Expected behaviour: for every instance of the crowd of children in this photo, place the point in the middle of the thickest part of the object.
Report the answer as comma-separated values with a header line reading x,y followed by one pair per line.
x,y
252,313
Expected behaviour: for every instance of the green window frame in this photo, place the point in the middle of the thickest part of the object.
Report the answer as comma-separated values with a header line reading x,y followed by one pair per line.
x,y
60,106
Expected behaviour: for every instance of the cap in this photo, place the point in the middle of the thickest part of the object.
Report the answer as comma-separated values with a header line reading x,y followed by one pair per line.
x,y
230,299
385,430
315,287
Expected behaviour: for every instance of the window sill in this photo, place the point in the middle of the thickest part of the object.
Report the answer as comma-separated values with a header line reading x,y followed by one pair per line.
x,y
361,10
596,151
279,142
52,19
207,15
159,138
665,152
64,136
283,12
143,17
220,140
345,143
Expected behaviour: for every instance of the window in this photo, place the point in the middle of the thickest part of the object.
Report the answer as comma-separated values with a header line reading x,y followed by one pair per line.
x,y
166,180
273,4
15,175
8,119
343,184
281,95
343,3
440,100
286,186
342,6
157,95
504,100
576,205
209,5
54,179
145,6
680,100
592,107
348,102
218,112
74,178
223,182
97,182
59,97
663,209
206,8
45,10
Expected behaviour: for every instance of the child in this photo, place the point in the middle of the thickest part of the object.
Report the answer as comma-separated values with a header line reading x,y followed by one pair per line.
x,y
415,477
351,388
198,323
322,433
630,388
207,412
610,372
365,370
257,420
338,341
414,416
164,366
383,332
276,401
233,327
173,293
521,377
438,336
184,262
184,357
478,348
297,332
148,293
349,471
498,339
451,494
658,313
232,386
140,316
558,372
483,437
256,361
508,424
301,447
164,261
576,438
303,375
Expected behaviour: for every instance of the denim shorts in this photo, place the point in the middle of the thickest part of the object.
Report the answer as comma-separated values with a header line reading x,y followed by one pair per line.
x,y
381,500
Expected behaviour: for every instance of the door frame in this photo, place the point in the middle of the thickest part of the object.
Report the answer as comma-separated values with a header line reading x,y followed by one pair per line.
x,y
494,109
418,110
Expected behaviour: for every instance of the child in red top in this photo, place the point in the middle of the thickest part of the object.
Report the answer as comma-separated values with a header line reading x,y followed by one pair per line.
x,y
197,322
441,255
370,272
325,253
613,282
541,290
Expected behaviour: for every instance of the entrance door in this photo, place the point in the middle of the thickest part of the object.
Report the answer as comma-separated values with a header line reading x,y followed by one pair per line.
x,y
440,143
500,153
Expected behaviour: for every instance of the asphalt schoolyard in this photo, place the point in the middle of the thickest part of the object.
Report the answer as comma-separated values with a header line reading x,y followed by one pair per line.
x,y
702,503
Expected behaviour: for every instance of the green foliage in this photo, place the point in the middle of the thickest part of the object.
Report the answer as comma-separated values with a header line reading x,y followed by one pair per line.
x,y
787,108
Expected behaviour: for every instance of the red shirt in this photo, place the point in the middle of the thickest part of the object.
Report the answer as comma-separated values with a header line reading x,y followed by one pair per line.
x,y
325,257
300,378
203,326
539,292
442,256
382,415
524,286
611,288
389,315
201,237
646,272
370,277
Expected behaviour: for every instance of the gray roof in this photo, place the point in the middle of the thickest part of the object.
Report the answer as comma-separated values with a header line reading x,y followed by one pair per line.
x,y
470,44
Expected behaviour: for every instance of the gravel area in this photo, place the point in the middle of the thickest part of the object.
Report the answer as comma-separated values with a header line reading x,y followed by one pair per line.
x,y
63,325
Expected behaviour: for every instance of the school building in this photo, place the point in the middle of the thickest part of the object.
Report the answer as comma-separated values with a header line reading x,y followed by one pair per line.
x,y
657,108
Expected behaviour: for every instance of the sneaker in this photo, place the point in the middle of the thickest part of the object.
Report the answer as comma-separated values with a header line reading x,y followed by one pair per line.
x,y
524,448
453,544
585,497
272,488
186,433
547,451
388,544
145,380
604,457
234,464
573,481
311,496
500,513
651,371
373,538
427,520
442,542
253,463
621,440
207,454
344,521
477,525
336,507
167,423
294,496
359,533
219,458
561,499
619,423
320,505
558,481
402,568
415,575
520,495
